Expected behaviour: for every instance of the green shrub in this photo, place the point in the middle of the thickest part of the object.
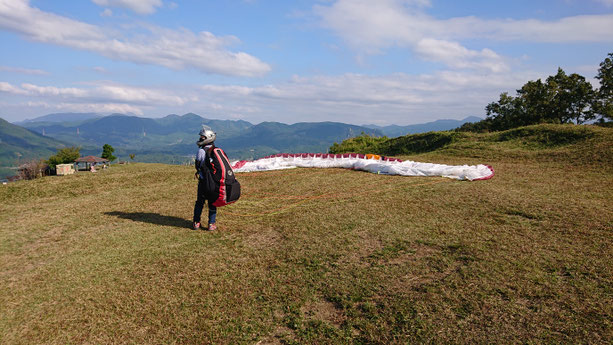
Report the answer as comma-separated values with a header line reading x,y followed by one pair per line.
x,y
360,144
33,169
64,156
418,143
408,144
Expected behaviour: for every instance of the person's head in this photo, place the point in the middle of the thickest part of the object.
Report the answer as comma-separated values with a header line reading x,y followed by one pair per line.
x,y
207,136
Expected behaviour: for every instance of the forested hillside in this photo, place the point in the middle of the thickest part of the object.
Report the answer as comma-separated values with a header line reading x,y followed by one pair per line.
x,y
173,136
19,143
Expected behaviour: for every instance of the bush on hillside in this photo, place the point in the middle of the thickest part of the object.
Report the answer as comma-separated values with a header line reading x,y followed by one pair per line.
x,y
64,156
418,143
482,126
547,135
363,143
408,144
33,169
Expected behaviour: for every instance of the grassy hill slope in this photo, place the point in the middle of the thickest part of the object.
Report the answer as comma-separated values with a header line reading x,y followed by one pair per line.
x,y
580,144
320,256
16,142
19,144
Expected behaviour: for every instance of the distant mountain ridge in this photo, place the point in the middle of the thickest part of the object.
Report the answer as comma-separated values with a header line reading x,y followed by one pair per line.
x,y
176,134
274,137
438,125
62,117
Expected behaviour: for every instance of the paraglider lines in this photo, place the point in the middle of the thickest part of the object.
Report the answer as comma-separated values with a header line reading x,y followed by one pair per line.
x,y
304,199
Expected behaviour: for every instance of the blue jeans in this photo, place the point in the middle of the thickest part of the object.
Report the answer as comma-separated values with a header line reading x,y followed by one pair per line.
x,y
200,205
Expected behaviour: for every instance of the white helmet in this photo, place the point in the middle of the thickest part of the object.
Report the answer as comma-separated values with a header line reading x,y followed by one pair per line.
x,y
207,136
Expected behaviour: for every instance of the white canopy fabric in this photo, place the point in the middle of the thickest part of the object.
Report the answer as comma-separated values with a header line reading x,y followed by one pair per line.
x,y
371,163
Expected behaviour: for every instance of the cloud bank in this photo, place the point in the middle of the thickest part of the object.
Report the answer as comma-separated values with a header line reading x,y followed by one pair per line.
x,y
175,49
138,6
352,98
373,26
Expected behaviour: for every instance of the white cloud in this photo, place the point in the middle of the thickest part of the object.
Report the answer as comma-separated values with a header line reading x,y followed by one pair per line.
x,y
17,15
457,56
23,70
586,28
36,90
175,49
99,93
8,88
386,22
371,26
138,6
106,13
100,69
135,95
86,107
354,98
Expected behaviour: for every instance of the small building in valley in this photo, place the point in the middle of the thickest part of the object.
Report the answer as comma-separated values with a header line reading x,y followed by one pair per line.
x,y
87,162
64,169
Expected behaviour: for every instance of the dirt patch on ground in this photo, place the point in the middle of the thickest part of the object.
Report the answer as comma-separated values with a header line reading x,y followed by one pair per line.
x,y
280,336
324,311
263,239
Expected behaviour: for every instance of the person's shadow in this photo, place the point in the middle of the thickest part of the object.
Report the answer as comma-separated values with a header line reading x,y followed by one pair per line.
x,y
153,218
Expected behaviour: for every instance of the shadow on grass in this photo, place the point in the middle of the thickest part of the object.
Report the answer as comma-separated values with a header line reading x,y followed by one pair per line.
x,y
152,218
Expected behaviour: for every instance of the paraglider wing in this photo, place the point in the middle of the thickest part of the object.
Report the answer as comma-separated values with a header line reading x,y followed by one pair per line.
x,y
372,163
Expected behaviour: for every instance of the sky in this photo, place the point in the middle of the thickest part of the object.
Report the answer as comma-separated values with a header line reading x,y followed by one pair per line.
x,y
354,61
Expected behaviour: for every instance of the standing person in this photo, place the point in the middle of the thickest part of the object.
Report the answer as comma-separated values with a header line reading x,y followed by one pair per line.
x,y
205,172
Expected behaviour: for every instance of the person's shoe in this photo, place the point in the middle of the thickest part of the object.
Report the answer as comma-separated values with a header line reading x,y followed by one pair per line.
x,y
212,227
196,225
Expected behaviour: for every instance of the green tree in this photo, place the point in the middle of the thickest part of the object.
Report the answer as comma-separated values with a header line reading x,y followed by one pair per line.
x,y
603,104
560,99
535,103
64,156
571,97
107,152
504,114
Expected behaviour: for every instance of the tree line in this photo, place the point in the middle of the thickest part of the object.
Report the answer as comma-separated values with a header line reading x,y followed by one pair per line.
x,y
561,98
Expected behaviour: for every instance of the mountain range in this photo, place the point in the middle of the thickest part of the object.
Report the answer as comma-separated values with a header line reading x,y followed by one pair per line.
x,y
393,131
61,117
176,135
171,139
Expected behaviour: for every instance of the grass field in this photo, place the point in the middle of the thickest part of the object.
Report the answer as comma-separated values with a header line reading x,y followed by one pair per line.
x,y
322,256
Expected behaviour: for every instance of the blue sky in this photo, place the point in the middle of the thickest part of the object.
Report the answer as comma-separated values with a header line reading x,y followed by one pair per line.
x,y
354,61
